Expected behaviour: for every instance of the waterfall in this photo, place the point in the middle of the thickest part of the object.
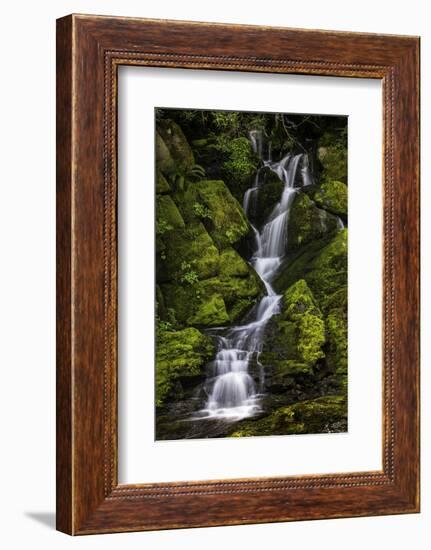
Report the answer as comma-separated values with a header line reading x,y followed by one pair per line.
x,y
232,391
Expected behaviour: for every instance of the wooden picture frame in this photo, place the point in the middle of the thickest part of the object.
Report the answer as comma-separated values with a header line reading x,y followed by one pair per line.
x,y
89,51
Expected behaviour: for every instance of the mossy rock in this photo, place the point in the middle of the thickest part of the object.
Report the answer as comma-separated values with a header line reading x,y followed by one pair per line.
x,y
188,249
336,328
321,415
238,293
162,185
294,339
211,311
164,161
232,265
296,264
326,275
177,145
332,196
179,354
200,304
301,308
333,159
307,223
167,213
327,272
227,223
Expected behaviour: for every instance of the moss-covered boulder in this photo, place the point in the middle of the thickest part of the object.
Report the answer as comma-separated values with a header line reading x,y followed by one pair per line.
x,y
232,160
307,223
327,272
296,264
336,326
189,253
321,415
332,196
218,300
226,221
333,159
238,283
162,185
164,161
295,339
197,304
176,143
179,355
326,275
167,213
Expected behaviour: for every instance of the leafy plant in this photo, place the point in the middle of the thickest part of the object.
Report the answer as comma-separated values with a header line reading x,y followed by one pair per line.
x,y
201,211
188,274
180,178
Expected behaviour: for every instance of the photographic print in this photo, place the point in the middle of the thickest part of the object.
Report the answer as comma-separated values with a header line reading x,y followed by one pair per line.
x,y
251,274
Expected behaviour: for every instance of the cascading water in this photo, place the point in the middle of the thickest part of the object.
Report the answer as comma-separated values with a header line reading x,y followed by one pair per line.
x,y
232,390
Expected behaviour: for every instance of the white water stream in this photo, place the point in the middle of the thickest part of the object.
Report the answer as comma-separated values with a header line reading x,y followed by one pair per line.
x,y
233,392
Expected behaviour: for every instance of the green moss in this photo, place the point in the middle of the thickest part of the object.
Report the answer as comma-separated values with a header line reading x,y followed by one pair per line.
x,y
179,354
332,196
336,324
324,414
167,212
333,158
311,338
199,304
327,273
240,165
294,339
228,224
298,300
192,245
164,161
307,223
210,312
177,145
232,265
238,293
301,308
162,185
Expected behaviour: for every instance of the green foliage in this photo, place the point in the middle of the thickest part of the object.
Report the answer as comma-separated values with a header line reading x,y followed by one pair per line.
x,y
201,211
241,162
228,121
162,227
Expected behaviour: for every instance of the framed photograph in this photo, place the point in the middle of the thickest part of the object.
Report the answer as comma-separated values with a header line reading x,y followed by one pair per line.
x,y
237,274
